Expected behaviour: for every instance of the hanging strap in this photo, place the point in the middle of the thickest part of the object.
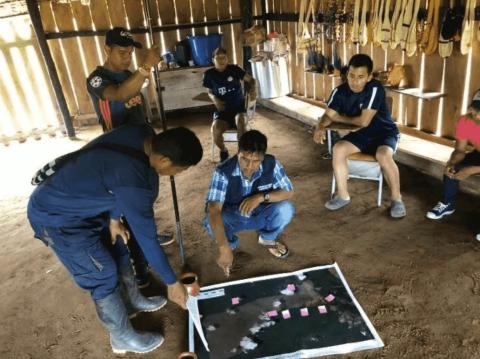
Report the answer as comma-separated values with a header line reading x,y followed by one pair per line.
x,y
356,24
396,15
432,41
427,24
363,31
445,46
406,22
377,29
386,27
411,44
52,167
397,36
467,27
301,15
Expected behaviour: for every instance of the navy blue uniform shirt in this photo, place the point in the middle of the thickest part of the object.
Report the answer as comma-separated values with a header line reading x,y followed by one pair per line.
x,y
226,86
103,181
112,114
348,103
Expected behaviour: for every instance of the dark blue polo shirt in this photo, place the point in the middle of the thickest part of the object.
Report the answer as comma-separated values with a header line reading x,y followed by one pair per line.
x,y
226,86
348,103
112,114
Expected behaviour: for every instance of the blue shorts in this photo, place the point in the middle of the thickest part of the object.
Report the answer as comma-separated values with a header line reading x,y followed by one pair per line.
x,y
369,144
228,116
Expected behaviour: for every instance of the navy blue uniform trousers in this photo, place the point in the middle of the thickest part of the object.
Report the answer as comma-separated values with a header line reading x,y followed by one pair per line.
x,y
88,254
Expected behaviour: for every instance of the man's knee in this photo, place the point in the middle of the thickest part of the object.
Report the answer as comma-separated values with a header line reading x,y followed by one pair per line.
x,y
342,150
101,281
384,155
285,211
241,120
218,129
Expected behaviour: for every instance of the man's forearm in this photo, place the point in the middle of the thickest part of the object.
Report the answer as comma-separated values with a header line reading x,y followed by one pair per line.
x,y
357,120
455,157
324,121
127,89
279,195
474,170
216,222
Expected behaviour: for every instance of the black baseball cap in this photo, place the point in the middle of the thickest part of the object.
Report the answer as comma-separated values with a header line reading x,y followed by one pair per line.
x,y
121,37
476,100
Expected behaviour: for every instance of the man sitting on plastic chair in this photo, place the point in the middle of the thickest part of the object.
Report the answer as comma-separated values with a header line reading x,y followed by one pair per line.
x,y
361,102
225,90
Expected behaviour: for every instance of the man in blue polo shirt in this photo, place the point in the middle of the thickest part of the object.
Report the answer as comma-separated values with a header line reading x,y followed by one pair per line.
x,y
116,97
249,191
76,212
361,102
113,88
225,90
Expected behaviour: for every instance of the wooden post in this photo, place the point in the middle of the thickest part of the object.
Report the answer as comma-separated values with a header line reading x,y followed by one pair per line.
x,y
52,72
264,12
247,22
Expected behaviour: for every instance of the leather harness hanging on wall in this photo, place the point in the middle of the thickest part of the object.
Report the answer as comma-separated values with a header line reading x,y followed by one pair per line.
x,y
406,22
377,30
305,40
467,27
363,32
429,41
386,27
396,20
356,22
445,39
411,43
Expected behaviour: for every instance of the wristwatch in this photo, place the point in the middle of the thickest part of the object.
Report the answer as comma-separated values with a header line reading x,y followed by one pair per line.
x,y
266,197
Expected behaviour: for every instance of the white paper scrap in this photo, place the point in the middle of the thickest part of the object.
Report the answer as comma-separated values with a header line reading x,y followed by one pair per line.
x,y
192,306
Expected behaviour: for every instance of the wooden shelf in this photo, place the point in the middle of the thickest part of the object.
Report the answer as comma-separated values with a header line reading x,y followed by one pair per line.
x,y
416,92
322,73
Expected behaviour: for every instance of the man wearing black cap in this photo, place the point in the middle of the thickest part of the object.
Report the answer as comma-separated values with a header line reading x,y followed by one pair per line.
x,y
114,89
116,97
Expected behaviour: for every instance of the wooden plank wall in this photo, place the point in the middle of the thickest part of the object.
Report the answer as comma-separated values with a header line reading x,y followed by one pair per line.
x,y
27,106
435,117
76,57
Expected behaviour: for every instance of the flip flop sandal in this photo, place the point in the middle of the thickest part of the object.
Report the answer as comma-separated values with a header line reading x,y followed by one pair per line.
x,y
278,250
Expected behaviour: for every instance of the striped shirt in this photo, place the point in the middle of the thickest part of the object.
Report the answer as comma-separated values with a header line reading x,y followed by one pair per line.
x,y
219,183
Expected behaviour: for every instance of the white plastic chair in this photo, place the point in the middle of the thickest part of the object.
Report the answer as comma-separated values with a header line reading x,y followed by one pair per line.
x,y
360,166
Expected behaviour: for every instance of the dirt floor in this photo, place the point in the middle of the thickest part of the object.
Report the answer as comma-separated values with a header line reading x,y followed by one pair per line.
x,y
417,280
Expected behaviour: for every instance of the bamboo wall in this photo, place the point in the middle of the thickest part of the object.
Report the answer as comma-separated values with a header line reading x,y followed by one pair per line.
x,y
421,117
76,57
27,101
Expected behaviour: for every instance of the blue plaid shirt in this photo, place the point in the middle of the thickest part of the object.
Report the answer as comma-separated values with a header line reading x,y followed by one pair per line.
x,y
218,186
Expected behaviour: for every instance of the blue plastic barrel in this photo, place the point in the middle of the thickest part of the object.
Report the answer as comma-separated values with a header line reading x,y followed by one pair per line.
x,y
203,46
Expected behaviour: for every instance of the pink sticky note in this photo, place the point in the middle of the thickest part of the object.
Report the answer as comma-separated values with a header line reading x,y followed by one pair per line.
x,y
286,314
322,309
272,313
291,287
304,312
329,298
235,300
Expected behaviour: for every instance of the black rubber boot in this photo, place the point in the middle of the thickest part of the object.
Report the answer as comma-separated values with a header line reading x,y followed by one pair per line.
x,y
123,338
135,301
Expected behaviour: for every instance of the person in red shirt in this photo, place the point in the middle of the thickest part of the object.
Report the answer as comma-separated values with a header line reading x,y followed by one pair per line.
x,y
462,164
